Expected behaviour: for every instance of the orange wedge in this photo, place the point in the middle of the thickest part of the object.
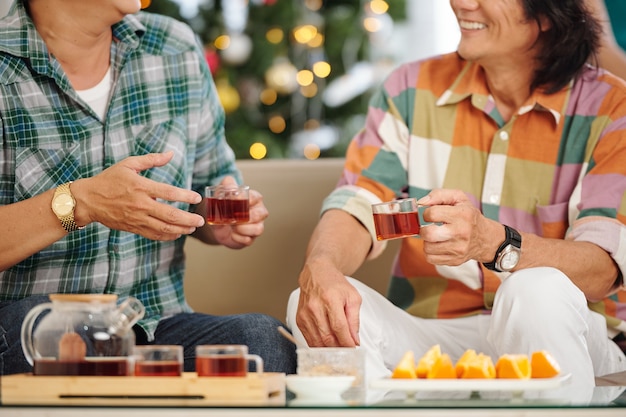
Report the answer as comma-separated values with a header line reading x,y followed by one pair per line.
x,y
442,368
406,367
427,361
464,361
479,366
543,365
513,366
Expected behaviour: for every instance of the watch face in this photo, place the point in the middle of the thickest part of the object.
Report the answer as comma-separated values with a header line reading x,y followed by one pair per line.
x,y
63,204
509,260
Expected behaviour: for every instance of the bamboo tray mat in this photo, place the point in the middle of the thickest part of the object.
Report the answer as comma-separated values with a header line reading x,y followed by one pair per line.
x,y
186,390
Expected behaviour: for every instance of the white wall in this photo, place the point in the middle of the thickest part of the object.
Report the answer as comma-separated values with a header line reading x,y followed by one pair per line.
x,y
433,29
4,7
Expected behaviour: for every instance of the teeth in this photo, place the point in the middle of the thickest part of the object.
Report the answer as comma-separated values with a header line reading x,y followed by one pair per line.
x,y
471,25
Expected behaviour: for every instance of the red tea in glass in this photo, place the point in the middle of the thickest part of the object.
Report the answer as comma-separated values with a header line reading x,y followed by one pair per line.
x,y
88,366
226,211
225,360
222,365
158,360
227,205
396,219
158,368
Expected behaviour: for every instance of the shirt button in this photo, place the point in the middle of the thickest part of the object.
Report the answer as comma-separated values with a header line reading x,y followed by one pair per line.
x,y
494,198
504,135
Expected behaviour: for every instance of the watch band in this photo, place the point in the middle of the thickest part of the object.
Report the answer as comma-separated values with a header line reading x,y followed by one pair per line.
x,y
512,237
67,221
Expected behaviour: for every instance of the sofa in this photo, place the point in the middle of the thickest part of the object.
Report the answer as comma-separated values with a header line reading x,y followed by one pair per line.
x,y
260,278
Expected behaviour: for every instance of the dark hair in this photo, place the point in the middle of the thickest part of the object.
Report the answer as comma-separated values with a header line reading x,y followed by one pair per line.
x,y
572,40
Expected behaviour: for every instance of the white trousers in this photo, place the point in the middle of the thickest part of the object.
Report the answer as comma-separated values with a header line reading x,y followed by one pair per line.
x,y
534,309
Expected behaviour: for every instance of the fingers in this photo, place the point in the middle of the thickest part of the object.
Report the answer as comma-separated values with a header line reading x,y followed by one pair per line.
x,y
144,162
443,197
328,314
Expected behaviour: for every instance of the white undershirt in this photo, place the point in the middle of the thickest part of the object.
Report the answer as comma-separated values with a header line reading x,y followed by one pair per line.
x,y
98,96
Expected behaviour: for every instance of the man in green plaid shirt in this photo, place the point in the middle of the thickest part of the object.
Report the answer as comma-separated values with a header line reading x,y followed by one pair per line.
x,y
111,128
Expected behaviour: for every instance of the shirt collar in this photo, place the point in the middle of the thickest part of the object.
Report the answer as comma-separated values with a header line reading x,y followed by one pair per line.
x,y
471,83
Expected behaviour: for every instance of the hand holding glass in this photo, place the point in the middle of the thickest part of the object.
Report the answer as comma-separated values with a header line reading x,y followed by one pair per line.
x,y
227,204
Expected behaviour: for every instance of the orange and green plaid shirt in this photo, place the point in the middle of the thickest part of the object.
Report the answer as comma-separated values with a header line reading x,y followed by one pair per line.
x,y
557,169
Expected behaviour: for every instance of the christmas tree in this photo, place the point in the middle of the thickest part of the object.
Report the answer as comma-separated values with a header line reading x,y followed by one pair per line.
x,y
294,76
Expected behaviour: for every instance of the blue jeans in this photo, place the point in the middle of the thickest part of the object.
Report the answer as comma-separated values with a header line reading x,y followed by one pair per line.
x,y
257,331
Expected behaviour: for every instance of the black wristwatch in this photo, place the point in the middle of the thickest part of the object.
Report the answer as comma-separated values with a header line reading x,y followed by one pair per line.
x,y
509,252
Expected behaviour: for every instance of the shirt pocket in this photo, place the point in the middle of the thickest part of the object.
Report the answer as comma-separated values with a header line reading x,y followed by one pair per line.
x,y
40,169
170,135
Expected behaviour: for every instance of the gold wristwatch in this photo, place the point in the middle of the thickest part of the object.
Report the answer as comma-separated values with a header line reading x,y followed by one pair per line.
x,y
63,205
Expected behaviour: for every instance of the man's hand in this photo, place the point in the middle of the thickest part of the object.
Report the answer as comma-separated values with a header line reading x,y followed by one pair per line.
x,y
461,234
241,235
121,199
328,309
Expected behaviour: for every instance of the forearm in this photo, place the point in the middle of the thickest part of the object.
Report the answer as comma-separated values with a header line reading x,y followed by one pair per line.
x,y
588,266
339,240
26,228
613,58
610,55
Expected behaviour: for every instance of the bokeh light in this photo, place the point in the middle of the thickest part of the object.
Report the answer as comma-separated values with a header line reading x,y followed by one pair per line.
x,y
258,150
268,96
321,69
312,151
277,124
222,42
304,34
305,77
274,35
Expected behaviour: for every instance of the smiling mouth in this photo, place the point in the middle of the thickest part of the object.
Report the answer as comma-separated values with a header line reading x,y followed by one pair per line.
x,y
464,24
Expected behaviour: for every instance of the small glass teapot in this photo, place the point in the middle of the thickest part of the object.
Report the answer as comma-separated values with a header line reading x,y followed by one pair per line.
x,y
83,334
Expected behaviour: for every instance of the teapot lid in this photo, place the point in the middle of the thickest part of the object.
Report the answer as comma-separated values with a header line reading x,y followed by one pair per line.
x,y
84,298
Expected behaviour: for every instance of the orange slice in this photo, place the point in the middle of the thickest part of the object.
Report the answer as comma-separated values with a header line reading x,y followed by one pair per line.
x,y
427,361
543,365
479,366
464,361
516,366
442,368
406,367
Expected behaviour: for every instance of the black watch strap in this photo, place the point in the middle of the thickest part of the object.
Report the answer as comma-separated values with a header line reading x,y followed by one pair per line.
x,y
512,237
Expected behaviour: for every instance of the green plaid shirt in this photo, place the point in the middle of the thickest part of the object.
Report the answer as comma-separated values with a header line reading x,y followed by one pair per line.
x,y
163,98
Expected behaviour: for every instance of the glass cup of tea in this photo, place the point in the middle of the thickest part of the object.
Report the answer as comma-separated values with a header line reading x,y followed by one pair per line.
x,y
396,219
227,204
158,360
225,360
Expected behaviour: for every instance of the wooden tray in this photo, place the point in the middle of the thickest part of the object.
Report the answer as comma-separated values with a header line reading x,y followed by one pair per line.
x,y
186,390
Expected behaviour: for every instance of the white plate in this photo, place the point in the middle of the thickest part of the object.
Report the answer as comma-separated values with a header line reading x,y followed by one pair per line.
x,y
326,388
473,385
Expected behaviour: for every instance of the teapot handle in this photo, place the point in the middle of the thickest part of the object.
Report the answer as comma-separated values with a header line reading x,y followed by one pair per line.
x,y
129,312
27,330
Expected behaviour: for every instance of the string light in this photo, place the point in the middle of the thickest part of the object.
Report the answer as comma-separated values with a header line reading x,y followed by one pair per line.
x,y
309,91
222,42
304,34
312,151
379,6
258,150
305,77
268,96
275,35
277,124
321,69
